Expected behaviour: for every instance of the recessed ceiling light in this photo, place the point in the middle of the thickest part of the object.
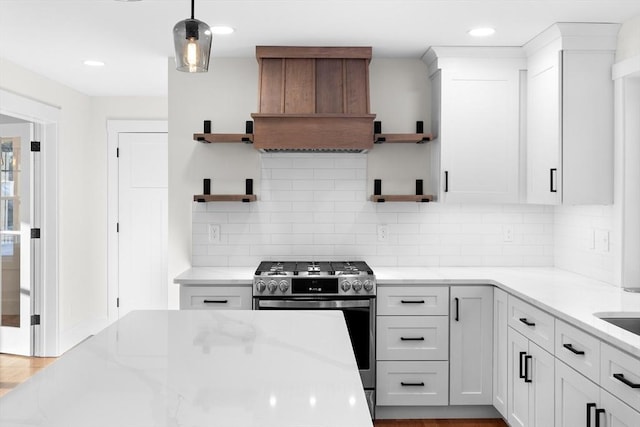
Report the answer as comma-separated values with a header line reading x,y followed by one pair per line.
x,y
481,32
93,63
221,30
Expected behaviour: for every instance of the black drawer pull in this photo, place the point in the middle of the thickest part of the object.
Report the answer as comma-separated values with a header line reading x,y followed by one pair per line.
x,y
520,366
598,412
412,338
420,384
589,406
571,349
457,318
621,378
409,301
215,301
526,322
526,368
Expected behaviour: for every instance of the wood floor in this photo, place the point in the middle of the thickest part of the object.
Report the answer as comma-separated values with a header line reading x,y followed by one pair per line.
x,y
16,369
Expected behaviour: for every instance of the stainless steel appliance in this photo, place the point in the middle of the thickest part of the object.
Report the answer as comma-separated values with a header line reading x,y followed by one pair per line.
x,y
349,286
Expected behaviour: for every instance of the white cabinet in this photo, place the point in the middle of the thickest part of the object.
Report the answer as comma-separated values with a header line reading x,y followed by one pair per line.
x,y
215,297
476,105
569,143
471,345
577,398
530,383
616,413
412,346
500,351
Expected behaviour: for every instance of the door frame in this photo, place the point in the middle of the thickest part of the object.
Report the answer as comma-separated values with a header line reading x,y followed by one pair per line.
x,y
114,128
44,299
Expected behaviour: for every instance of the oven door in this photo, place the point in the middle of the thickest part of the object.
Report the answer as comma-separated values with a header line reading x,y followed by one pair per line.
x,y
359,315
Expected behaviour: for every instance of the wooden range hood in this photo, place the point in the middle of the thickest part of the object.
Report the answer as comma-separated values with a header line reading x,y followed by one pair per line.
x,y
313,99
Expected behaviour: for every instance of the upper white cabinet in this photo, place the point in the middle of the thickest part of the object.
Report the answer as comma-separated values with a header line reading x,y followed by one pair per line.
x,y
476,123
569,119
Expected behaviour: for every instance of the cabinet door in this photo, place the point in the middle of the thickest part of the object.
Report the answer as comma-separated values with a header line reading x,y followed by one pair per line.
x,y
412,338
576,398
616,413
540,371
518,402
480,131
544,126
471,337
500,350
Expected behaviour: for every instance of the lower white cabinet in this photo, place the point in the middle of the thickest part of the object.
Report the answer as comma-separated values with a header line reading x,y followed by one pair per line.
x,y
500,351
471,345
530,383
577,398
215,297
616,413
412,383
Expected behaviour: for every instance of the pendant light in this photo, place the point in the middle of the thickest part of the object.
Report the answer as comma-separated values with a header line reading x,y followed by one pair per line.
x,y
192,39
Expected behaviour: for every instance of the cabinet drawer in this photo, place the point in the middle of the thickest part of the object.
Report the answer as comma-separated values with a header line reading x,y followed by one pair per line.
x,y
412,337
215,297
532,322
617,368
578,349
412,384
413,300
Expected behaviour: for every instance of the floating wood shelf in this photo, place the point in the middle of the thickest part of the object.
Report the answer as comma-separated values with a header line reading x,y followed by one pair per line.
x,y
399,138
210,138
402,198
202,198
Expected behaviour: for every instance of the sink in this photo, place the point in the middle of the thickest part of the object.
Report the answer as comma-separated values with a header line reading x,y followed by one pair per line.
x,y
629,321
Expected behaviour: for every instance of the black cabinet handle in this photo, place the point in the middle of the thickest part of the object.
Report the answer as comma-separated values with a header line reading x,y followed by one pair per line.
x,y
522,353
446,181
457,319
621,378
598,412
215,301
589,406
403,384
412,338
404,301
552,173
526,322
571,349
527,358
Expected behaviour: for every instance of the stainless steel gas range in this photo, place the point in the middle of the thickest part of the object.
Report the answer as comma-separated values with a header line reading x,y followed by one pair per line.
x,y
349,286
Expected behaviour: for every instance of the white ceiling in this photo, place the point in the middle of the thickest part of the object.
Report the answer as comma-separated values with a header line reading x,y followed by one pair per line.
x,y
54,37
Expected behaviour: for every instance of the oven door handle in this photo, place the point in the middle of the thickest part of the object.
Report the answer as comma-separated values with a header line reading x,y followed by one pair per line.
x,y
313,304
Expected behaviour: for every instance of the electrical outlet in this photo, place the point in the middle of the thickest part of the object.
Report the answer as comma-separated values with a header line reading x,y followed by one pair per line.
x,y
602,240
214,233
383,232
507,233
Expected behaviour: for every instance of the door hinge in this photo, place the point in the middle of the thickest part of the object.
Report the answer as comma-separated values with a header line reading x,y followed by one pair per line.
x,y
117,227
35,319
117,151
35,233
35,146
118,302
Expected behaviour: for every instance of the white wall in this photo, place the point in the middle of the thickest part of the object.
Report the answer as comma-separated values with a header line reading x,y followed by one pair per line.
x,y
82,192
629,39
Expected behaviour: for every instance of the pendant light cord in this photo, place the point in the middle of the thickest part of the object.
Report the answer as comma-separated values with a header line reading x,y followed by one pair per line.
x,y
192,5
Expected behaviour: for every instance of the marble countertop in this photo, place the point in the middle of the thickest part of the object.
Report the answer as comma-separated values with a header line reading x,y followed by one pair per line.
x,y
571,297
197,368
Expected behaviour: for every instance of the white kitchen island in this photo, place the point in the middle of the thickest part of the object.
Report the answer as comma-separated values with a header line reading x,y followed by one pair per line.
x,y
200,368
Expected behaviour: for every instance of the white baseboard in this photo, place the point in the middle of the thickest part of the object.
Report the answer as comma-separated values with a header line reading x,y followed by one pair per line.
x,y
73,336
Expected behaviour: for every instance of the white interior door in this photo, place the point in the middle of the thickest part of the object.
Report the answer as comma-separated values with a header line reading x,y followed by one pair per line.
x,y
142,221
15,239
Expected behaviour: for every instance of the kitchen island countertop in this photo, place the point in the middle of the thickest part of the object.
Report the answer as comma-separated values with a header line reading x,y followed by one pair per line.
x,y
200,368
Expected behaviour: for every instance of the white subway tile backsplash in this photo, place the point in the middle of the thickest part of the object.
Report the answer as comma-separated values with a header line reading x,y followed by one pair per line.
x,y
316,206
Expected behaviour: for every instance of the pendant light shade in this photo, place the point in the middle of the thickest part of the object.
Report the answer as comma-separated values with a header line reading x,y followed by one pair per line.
x,y
192,40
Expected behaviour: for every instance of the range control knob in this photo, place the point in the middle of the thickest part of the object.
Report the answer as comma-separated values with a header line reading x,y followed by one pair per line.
x,y
260,286
368,285
272,286
284,286
345,286
357,285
